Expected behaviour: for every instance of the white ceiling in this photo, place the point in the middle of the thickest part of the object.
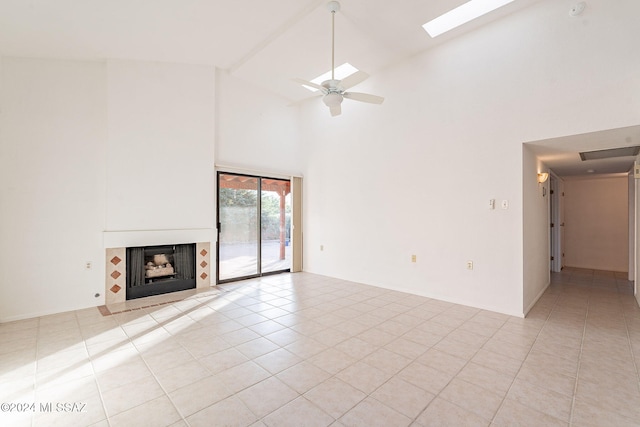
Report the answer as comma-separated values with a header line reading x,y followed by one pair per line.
x,y
561,154
266,43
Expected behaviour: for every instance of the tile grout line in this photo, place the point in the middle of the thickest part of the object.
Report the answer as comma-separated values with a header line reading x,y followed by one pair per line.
x,y
35,369
182,417
626,326
258,418
369,395
94,374
584,334
183,313
159,325
413,420
272,375
436,395
555,304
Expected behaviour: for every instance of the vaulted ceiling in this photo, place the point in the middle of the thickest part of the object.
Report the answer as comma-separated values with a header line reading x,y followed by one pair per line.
x,y
264,42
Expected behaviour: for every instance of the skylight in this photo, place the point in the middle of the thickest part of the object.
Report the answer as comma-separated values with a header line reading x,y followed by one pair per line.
x,y
461,15
344,70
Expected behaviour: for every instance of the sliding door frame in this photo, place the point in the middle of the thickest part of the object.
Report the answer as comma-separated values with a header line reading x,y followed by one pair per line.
x,y
259,273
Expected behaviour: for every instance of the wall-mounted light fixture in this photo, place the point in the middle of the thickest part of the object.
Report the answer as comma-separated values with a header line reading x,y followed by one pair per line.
x,y
542,177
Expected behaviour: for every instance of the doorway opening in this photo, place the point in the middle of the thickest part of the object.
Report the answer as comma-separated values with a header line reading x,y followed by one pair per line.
x,y
254,226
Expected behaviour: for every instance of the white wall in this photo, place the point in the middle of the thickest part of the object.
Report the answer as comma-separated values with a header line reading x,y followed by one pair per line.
x,y
256,130
52,170
536,220
596,222
95,151
414,175
161,146
80,147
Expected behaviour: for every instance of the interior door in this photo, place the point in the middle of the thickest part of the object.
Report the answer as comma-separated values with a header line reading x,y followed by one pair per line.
x,y
254,226
561,214
554,230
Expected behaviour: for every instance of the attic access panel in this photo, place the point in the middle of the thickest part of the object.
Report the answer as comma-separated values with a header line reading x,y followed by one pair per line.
x,y
610,153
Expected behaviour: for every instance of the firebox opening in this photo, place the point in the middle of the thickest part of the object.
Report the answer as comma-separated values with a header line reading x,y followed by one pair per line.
x,y
155,270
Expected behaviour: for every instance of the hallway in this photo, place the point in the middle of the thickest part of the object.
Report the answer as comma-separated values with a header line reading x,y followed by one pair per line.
x,y
589,342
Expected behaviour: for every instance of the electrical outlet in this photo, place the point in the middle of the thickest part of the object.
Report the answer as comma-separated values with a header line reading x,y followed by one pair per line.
x,y
469,265
87,265
413,258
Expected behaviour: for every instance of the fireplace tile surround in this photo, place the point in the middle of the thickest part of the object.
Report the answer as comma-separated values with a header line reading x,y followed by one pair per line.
x,y
115,277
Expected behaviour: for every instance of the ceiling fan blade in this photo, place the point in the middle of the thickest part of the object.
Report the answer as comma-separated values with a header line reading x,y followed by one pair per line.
x,y
353,79
336,110
310,84
364,97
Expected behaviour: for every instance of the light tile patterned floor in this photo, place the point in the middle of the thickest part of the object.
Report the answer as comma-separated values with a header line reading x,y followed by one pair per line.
x,y
306,350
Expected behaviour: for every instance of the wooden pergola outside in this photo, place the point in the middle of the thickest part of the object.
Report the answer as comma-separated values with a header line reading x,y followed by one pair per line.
x,y
280,187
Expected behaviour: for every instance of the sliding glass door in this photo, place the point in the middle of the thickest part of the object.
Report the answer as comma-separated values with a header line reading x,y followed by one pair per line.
x,y
238,219
254,223
275,225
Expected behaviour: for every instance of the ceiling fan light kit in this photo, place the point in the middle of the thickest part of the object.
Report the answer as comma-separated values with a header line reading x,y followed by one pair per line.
x,y
333,89
332,99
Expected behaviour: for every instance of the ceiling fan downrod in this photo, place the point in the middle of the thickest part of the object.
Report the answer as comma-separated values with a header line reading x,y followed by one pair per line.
x,y
333,90
333,7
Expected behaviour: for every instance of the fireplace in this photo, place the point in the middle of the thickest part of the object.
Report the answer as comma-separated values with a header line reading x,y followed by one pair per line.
x,y
155,270
118,244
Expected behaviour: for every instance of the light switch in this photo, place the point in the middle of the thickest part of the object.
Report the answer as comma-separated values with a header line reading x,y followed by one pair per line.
x,y
505,204
492,204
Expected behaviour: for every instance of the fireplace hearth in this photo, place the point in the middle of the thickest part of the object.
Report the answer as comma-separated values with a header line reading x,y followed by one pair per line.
x,y
155,270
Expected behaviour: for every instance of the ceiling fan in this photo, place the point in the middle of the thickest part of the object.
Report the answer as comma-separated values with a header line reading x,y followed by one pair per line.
x,y
334,90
